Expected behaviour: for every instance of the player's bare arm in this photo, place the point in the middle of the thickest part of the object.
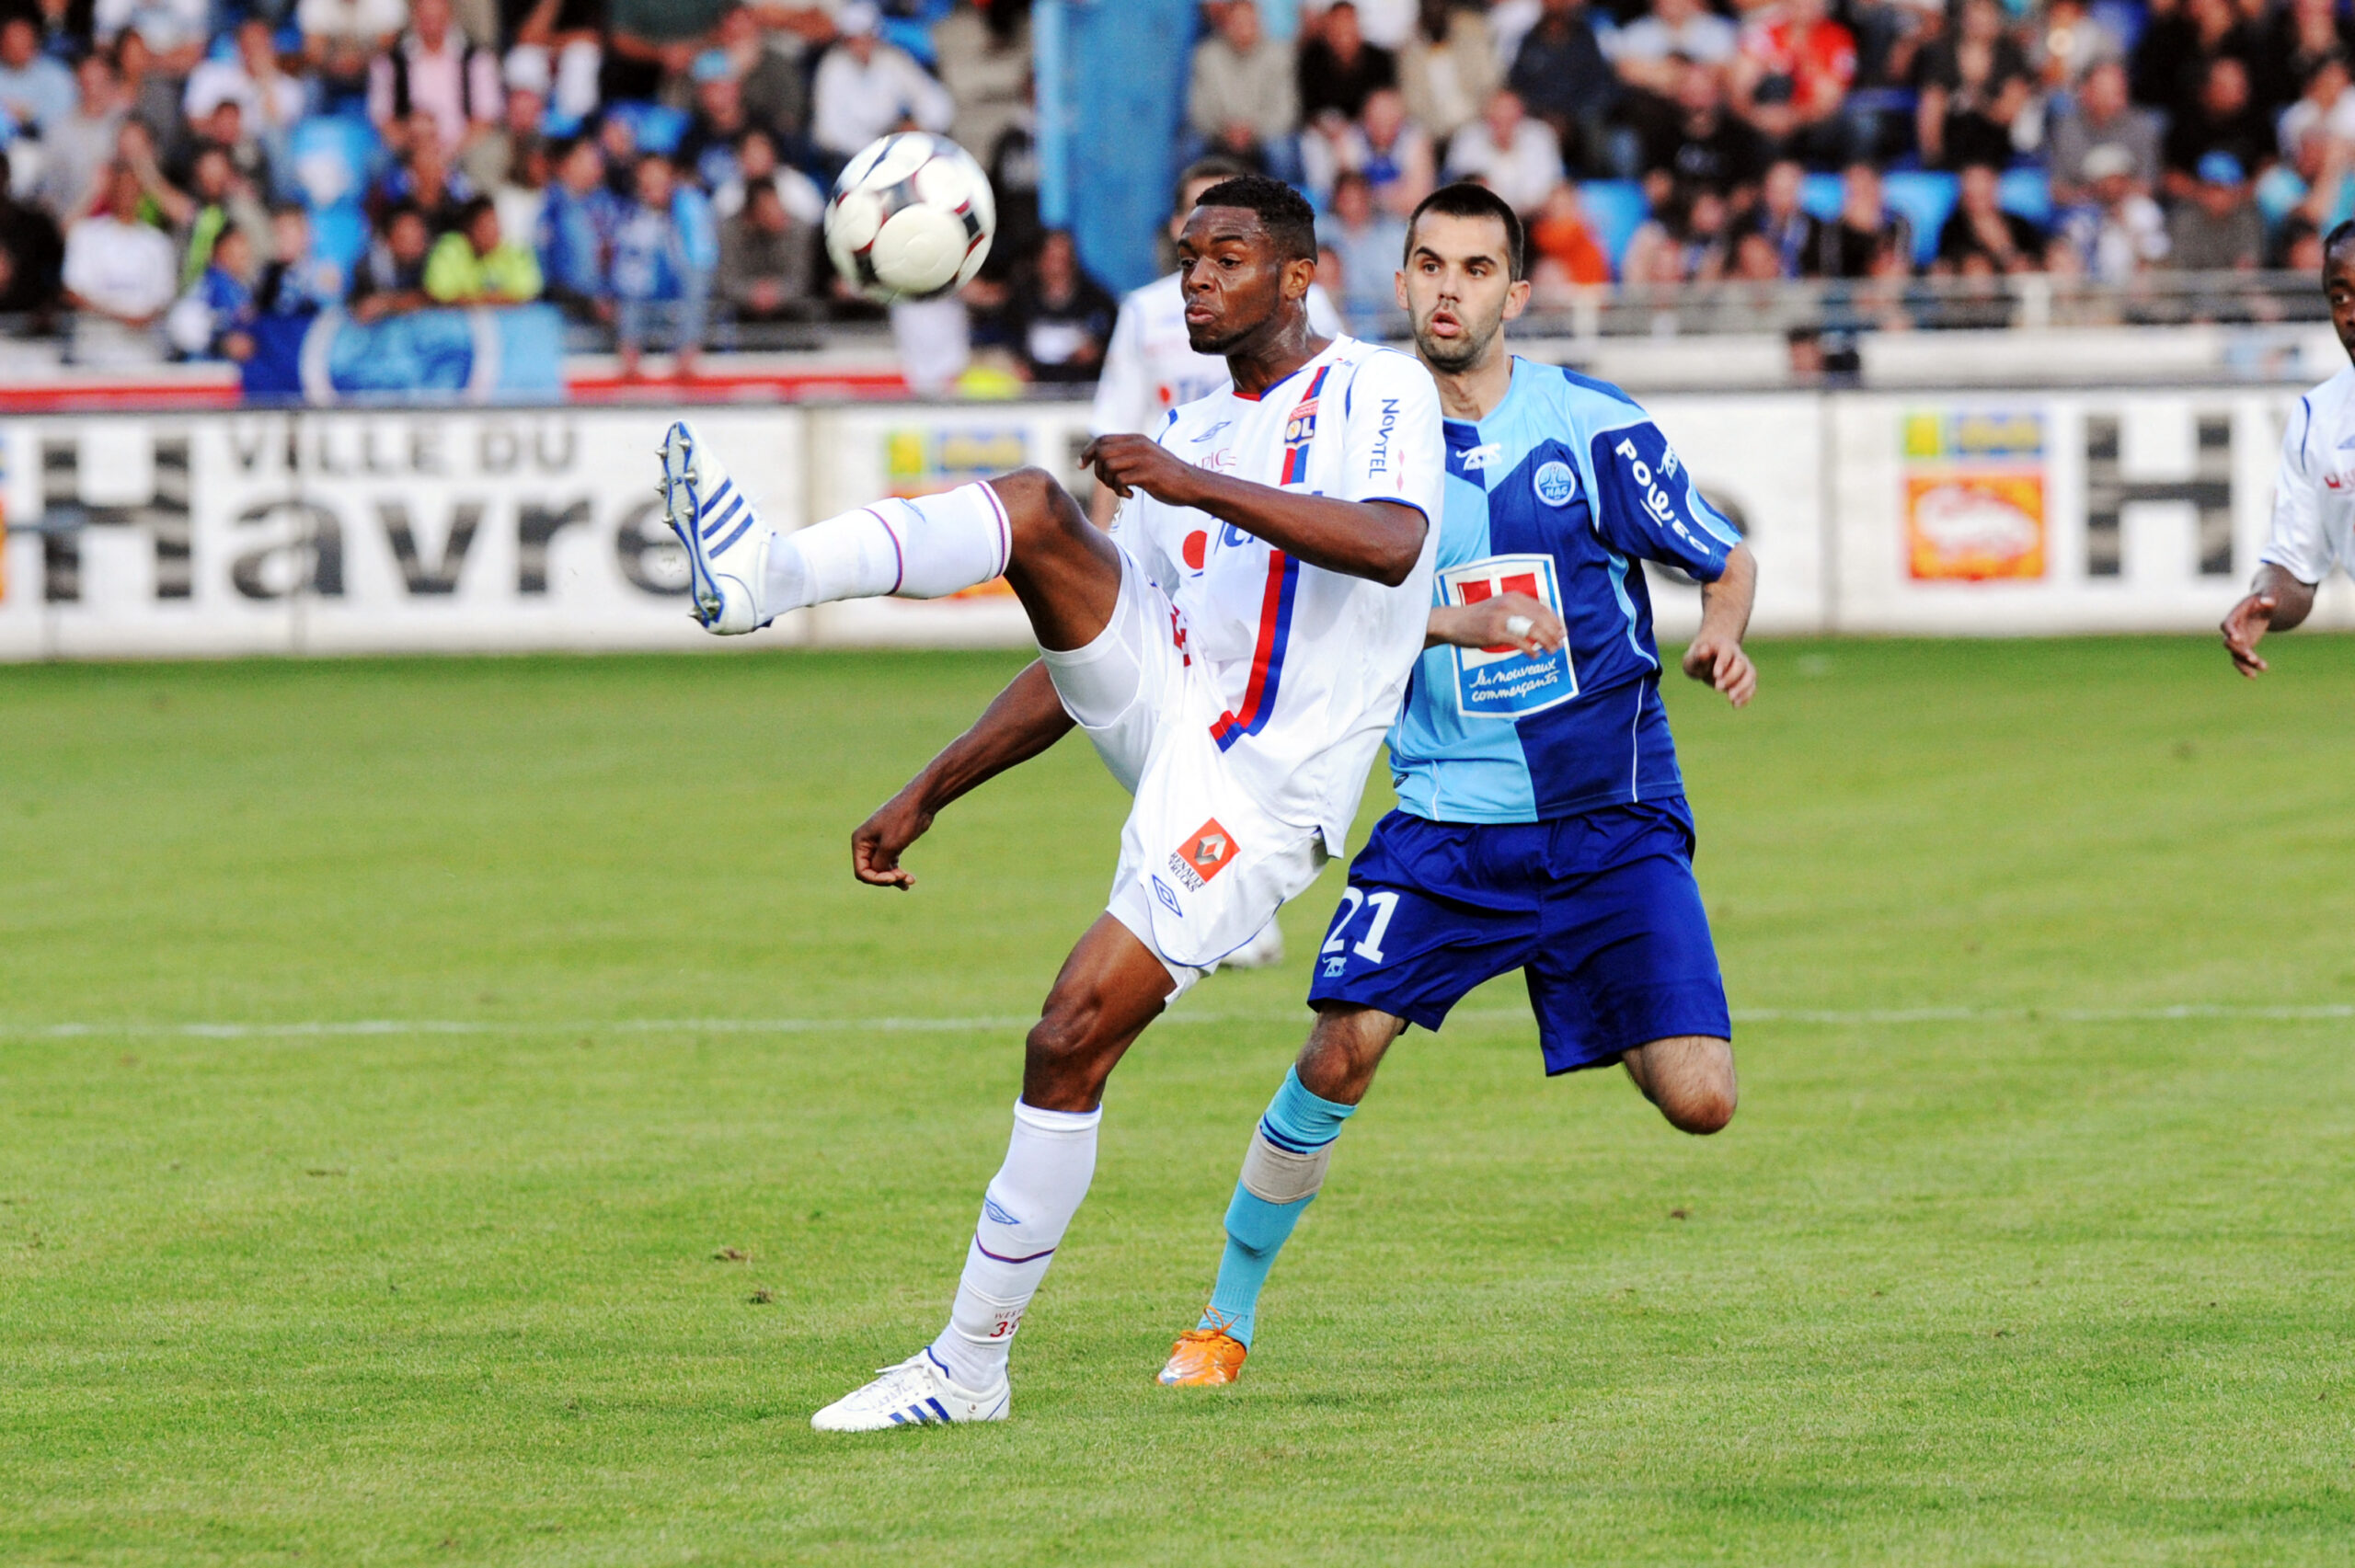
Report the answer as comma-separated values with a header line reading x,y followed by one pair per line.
x,y
1020,722
2276,601
1504,620
1380,541
1715,653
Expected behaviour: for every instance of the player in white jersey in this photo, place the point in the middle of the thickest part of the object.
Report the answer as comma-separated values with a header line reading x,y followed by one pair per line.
x,y
1234,649
2313,498
1151,367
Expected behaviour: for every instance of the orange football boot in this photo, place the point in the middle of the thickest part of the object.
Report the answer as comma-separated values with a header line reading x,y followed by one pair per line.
x,y
1205,1359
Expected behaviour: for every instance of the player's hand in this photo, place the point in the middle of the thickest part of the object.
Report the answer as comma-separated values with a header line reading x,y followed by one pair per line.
x,y
2249,620
1126,463
876,847
1507,622
1722,663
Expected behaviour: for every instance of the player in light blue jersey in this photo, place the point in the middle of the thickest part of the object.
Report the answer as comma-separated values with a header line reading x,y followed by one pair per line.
x,y
1542,824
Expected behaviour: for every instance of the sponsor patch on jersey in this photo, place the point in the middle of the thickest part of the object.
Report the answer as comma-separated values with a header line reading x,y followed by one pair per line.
x,y
1554,484
1504,682
1202,855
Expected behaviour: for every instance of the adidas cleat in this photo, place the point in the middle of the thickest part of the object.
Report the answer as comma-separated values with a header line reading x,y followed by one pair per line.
x,y
916,1393
727,550
1203,1358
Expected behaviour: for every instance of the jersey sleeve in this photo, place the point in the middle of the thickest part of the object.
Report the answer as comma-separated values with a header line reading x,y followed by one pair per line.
x,y
2299,545
1124,390
1133,532
1646,506
1391,446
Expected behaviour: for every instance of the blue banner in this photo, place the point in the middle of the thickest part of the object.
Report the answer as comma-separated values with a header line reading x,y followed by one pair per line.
x,y
511,353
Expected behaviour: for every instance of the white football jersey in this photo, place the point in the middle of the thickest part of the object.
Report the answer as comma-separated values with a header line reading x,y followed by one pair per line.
x,y
1150,368
2314,500
1311,664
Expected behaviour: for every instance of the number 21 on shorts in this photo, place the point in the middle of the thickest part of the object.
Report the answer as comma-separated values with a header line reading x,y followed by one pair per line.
x,y
1384,905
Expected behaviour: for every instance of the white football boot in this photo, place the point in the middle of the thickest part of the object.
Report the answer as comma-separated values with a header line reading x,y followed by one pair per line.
x,y
1264,951
916,1393
728,549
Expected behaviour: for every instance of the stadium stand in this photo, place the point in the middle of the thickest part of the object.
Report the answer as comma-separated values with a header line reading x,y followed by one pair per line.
x,y
2206,144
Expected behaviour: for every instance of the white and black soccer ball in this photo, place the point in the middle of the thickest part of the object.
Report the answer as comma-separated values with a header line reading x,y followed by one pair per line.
x,y
911,218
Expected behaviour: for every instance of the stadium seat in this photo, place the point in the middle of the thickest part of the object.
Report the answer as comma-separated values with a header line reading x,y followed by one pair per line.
x,y
1615,208
1819,195
656,128
1926,197
2028,193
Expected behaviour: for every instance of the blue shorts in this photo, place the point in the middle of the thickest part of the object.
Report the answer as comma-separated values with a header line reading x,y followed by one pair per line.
x,y
1599,911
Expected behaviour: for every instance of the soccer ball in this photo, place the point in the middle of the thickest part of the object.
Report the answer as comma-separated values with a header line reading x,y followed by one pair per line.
x,y
911,218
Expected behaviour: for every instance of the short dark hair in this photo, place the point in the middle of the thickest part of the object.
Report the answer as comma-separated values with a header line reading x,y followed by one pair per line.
x,y
1464,199
1289,220
474,211
2344,233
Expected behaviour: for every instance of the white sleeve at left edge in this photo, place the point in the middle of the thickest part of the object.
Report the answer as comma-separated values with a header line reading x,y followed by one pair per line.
x,y
1392,449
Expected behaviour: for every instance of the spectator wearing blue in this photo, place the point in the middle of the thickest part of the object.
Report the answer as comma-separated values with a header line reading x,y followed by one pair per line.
x,y
1564,80
298,280
663,259
36,92
1369,243
578,223
214,319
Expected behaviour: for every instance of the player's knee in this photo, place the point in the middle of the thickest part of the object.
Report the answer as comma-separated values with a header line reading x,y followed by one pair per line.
x,y
1033,500
1701,1106
1066,1048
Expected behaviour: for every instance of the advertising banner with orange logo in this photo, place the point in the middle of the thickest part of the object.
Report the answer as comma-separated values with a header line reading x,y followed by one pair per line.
x,y
1974,494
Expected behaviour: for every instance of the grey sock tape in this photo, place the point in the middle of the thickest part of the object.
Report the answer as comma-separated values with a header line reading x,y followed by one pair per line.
x,y
1278,1175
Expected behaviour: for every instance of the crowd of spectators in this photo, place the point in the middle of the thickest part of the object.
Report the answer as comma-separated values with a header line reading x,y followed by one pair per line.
x,y
174,171
2089,139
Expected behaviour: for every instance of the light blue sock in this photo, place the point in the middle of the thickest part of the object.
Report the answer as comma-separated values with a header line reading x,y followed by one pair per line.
x,y
1297,1123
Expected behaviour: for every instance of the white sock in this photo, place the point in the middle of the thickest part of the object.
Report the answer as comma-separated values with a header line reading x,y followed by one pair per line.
x,y
925,548
1049,1163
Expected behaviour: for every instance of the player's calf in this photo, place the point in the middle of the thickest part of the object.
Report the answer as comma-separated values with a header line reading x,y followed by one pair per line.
x,y
1690,1078
1109,989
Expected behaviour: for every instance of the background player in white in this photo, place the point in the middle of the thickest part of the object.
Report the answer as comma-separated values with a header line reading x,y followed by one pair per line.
x,y
2313,498
1234,649
1151,366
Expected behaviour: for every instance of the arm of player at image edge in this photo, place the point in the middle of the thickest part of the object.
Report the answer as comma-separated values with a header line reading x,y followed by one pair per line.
x,y
1714,655
2277,601
1020,722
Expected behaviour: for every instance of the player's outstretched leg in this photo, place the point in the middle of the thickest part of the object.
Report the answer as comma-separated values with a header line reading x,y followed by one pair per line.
x,y
1282,1171
1023,526
1109,989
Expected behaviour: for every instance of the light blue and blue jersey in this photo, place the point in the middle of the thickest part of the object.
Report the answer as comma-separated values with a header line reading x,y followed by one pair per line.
x,y
1559,493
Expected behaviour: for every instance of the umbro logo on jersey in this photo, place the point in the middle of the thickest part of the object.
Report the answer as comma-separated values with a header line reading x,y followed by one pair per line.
x,y
1211,432
1480,457
1169,899
1202,855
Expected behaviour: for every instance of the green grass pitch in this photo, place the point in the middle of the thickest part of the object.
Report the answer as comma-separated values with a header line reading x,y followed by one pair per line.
x,y
2002,1262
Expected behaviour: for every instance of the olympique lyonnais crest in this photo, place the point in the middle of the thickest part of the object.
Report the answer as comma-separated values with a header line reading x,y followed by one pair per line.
x,y
1300,429
1202,855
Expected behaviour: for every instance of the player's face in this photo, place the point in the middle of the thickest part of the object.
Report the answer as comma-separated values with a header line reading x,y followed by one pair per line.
x,y
2338,287
1233,279
1458,290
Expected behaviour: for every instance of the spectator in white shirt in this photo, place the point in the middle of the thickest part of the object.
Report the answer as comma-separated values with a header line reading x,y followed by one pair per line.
x,y
271,101
1512,155
117,267
1645,51
865,87
434,70
76,149
340,37
176,30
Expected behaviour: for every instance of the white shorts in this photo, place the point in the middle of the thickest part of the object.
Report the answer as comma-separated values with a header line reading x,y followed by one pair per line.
x,y
1203,867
